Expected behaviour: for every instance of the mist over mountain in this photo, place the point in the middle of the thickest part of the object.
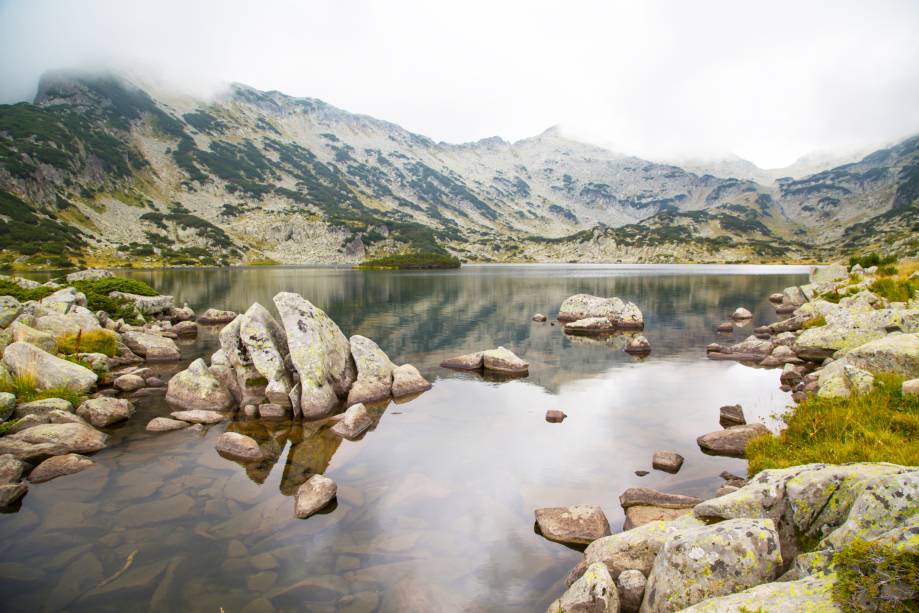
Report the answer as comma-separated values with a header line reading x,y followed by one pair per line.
x,y
102,168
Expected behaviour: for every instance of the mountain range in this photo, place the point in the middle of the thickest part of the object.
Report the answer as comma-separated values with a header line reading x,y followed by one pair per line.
x,y
99,169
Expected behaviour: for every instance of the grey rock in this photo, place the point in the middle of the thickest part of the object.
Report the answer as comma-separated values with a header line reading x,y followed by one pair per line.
x,y
356,420
7,405
807,594
52,439
594,592
539,317
406,380
197,388
239,446
270,410
582,306
147,305
579,525
59,466
185,329
644,505
48,371
638,345
469,361
28,421
898,353
165,424
668,461
731,441
911,387
151,347
741,313
631,584
504,361
590,326
25,334
266,345
731,415
216,316
313,495
102,412
374,371
10,308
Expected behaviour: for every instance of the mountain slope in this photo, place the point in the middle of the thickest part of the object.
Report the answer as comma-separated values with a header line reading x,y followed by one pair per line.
x,y
109,170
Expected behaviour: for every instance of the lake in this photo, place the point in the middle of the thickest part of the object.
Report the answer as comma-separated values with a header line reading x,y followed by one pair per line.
x,y
435,504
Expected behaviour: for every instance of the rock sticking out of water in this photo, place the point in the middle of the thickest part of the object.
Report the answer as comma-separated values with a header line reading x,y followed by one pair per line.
x,y
741,313
539,317
731,415
644,505
595,591
355,421
668,461
313,495
59,466
638,345
731,441
216,316
577,525
239,446
165,424
555,416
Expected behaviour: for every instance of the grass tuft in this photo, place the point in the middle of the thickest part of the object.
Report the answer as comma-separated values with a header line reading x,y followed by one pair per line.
x,y
814,322
894,290
89,341
24,388
874,427
876,577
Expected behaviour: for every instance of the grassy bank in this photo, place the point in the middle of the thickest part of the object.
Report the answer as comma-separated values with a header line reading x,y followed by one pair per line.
x,y
879,426
411,261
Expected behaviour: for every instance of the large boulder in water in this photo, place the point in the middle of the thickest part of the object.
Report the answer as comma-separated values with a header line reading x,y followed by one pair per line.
x,y
731,441
374,371
265,342
48,371
46,440
197,388
626,315
104,411
406,380
701,563
319,352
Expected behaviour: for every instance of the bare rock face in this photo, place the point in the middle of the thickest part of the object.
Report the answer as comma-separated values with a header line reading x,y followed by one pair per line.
x,y
46,440
165,424
319,352
504,361
594,592
469,361
151,347
197,388
48,371
102,411
580,525
354,422
374,371
266,345
406,380
216,316
239,446
668,461
59,466
731,441
731,415
312,496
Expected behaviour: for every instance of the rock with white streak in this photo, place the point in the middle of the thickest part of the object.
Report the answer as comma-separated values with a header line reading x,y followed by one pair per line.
x,y
266,345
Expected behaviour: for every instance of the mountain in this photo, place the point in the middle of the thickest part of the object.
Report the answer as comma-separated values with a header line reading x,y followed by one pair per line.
x,y
101,169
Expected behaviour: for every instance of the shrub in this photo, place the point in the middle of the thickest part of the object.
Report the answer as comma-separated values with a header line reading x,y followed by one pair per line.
x,y
8,288
887,271
871,259
895,290
870,427
89,341
98,299
876,577
410,261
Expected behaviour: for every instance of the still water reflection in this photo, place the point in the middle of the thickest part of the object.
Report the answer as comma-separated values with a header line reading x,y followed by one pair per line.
x,y
435,503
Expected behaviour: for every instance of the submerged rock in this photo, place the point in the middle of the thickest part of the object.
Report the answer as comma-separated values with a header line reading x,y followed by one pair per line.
x,y
197,388
374,371
504,361
354,422
731,441
578,525
102,412
199,416
594,592
48,371
239,446
59,466
312,496
406,380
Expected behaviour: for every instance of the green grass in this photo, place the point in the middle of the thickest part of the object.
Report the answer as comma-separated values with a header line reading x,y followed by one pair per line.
x,y
814,322
879,426
871,259
8,288
89,341
24,388
895,290
411,261
876,577
98,299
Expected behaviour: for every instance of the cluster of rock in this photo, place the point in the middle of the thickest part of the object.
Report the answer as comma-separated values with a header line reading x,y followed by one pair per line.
x,y
741,550
588,315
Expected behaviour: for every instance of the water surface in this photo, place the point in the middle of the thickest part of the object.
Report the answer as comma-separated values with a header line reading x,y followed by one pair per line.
x,y
435,504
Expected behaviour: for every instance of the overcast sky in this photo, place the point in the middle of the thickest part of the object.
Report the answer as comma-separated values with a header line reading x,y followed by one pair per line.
x,y
769,80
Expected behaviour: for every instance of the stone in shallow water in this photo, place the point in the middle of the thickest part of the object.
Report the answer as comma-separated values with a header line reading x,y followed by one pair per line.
x,y
239,446
199,416
638,345
197,388
555,416
503,360
314,495
43,407
52,439
129,383
731,415
741,313
11,469
374,371
731,441
469,361
216,316
669,461
102,412
594,592
406,380
151,347
11,492
579,525
354,422
644,505
165,424
59,466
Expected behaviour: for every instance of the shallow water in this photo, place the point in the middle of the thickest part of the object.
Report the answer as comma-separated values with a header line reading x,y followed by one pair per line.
x,y
435,503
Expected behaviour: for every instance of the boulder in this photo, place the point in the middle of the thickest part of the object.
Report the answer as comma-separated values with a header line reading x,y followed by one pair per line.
x,y
668,461
7,405
709,561
631,584
102,411
354,422
824,341
90,274
898,353
26,334
65,297
151,347
129,383
577,525
197,388
52,439
216,316
776,298
239,446
241,378
828,274
165,424
554,416
594,592
10,308
793,295
539,317
48,371
638,345
741,313
406,380
731,415
582,306
29,421
469,361
59,466
21,282
147,305
43,407
266,345
504,361
185,329
813,593
644,505
199,416
314,495
319,352
12,492
730,441
57,324
374,371
11,469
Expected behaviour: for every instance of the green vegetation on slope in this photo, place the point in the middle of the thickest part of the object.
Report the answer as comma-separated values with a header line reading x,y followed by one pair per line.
x,y
879,426
411,261
28,232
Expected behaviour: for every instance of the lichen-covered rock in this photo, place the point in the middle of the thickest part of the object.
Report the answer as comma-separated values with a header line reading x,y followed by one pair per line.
x,y
504,361
374,371
828,274
89,274
354,422
148,305
197,388
469,361
245,382
7,405
52,439
631,584
319,352
898,353
103,411
824,341
594,592
578,525
10,308
58,466
57,324
43,407
626,315
406,380
26,334
48,371
313,495
741,313
239,446
11,492
266,345
66,296
151,347
701,563
11,469
813,594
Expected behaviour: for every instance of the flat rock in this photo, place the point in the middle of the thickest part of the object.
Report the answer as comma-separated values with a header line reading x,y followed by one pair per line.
x,y
151,347
59,466
374,371
406,380
185,329
502,360
578,525
270,410
594,592
731,441
197,388
102,411
590,326
897,353
644,505
48,371
468,361
731,415
813,593
199,416
165,424
46,440
88,275
239,446
216,316
355,421
314,495
129,383
555,416
43,407
668,461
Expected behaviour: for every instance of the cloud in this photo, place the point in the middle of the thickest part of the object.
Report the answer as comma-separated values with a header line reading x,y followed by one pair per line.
x,y
767,80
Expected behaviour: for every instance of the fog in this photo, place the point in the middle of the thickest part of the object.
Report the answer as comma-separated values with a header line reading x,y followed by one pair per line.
x,y
768,81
